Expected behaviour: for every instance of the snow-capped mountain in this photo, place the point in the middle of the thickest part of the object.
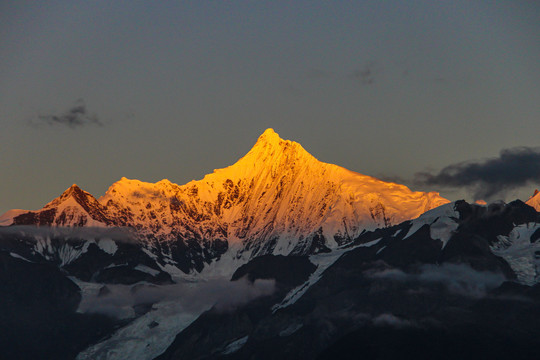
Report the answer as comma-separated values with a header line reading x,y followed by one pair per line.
x,y
461,277
534,200
75,207
277,199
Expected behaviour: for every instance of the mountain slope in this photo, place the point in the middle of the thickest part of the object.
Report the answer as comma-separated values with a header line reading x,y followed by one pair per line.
x,y
449,284
75,207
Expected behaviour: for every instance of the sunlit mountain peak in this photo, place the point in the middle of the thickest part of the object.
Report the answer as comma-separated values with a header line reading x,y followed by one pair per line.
x,y
277,199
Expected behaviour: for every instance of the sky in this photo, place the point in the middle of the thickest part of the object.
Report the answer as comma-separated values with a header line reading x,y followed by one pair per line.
x,y
440,95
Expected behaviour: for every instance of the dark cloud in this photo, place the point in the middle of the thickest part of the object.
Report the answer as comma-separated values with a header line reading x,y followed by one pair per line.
x,y
75,117
486,179
365,75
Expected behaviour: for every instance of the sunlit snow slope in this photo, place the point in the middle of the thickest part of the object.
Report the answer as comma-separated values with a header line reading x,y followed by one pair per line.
x,y
276,199
534,200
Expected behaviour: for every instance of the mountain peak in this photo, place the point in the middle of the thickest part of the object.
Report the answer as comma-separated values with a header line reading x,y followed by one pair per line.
x,y
72,195
269,138
270,145
269,135
74,207
73,189
534,200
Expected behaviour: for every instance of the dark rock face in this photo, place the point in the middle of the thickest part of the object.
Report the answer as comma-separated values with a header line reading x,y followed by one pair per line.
x,y
535,236
466,342
402,296
473,250
287,271
86,266
495,219
37,313
45,217
352,314
417,248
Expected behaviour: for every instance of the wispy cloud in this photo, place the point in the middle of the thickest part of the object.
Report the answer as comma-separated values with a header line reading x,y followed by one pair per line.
x,y
486,179
75,117
365,75
68,234
457,278
392,321
222,294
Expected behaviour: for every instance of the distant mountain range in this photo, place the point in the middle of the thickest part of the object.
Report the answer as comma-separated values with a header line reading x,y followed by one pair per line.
x,y
277,199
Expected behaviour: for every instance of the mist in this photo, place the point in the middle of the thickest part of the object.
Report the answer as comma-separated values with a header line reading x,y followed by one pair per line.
x,y
118,234
222,294
457,278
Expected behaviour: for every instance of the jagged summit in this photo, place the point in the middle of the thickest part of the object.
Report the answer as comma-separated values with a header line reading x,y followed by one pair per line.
x,y
75,207
270,152
73,191
269,136
270,139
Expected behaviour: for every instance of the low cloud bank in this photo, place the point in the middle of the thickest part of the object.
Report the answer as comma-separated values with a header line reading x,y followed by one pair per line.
x,y
457,278
223,295
392,321
120,234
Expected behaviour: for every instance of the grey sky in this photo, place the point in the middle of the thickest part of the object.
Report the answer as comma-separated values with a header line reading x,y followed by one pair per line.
x,y
180,88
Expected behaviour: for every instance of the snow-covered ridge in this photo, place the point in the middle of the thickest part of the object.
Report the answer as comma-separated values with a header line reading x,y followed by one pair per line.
x,y
75,207
276,199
